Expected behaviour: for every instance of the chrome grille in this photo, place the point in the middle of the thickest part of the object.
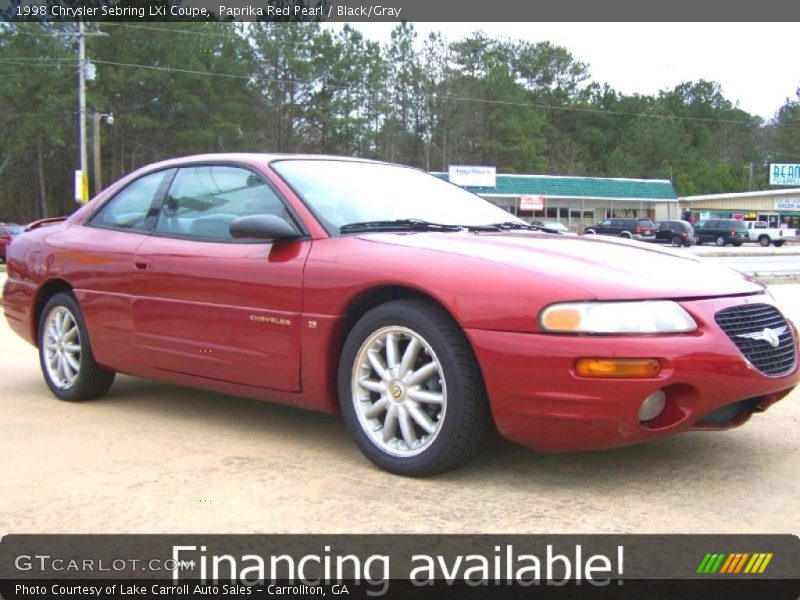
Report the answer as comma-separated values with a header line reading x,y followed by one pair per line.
x,y
752,327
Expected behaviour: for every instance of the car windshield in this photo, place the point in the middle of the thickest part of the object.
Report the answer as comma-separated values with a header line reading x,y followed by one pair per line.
x,y
343,192
14,230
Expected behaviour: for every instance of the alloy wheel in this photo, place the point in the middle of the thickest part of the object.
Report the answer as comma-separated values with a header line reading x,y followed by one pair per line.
x,y
399,391
62,347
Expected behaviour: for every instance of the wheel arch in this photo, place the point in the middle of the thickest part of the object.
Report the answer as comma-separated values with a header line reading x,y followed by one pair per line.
x,y
46,291
366,300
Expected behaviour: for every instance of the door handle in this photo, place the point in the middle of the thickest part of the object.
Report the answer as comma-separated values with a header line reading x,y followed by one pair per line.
x,y
142,265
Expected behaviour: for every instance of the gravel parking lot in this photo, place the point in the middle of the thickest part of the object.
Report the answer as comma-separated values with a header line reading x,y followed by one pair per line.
x,y
153,457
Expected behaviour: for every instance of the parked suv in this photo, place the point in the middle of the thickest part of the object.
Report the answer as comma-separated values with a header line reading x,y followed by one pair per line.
x,y
677,233
721,232
636,229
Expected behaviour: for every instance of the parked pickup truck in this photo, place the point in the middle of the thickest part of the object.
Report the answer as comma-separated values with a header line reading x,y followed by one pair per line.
x,y
761,232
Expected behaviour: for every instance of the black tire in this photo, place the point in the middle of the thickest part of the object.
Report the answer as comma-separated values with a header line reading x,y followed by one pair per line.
x,y
467,419
91,380
699,242
720,241
778,244
590,232
764,241
677,242
687,243
626,235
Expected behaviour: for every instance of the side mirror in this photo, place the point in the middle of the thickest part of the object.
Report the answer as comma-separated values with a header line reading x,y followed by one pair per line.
x,y
263,227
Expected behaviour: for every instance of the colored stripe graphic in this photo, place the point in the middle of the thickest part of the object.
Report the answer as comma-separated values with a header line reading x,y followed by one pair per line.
x,y
734,563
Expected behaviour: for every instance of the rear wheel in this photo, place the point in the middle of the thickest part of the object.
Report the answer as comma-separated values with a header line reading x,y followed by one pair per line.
x,y
720,241
676,242
764,241
410,389
778,244
625,234
65,354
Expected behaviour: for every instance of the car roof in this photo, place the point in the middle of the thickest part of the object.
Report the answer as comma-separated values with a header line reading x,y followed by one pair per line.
x,y
252,157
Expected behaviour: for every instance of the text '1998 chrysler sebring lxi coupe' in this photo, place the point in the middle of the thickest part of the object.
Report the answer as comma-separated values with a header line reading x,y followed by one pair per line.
x,y
423,313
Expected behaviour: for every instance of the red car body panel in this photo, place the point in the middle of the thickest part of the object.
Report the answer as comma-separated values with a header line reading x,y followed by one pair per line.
x,y
267,320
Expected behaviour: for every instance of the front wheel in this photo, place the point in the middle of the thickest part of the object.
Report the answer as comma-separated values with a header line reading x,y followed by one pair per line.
x,y
410,389
720,241
65,354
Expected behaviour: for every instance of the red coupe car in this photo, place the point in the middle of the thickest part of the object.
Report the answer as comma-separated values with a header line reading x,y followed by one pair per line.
x,y
423,313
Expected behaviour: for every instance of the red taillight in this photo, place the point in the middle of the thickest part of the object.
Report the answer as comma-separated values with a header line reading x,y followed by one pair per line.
x,y
638,229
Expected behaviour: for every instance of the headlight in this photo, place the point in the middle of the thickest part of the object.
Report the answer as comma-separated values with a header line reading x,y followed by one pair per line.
x,y
649,316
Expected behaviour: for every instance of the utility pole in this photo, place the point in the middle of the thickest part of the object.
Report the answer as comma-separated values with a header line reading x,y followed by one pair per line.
x,y
81,195
81,177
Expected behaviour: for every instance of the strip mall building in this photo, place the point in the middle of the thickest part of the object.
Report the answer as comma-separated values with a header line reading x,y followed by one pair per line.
x,y
578,202
779,208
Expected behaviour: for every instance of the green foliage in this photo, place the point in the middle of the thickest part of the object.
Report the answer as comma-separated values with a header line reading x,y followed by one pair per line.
x,y
180,88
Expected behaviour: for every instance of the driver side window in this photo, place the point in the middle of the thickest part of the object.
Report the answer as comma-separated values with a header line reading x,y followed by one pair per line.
x,y
204,200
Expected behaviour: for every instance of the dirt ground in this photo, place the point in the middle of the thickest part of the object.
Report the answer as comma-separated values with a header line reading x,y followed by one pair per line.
x,y
153,458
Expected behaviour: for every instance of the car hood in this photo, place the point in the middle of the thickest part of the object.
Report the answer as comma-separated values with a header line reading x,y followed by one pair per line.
x,y
602,267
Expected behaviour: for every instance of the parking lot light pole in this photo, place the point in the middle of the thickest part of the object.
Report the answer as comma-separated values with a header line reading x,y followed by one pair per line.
x,y
98,173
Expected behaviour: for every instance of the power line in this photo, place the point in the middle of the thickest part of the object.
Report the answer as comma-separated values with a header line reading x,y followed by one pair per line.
x,y
183,31
443,96
173,69
598,110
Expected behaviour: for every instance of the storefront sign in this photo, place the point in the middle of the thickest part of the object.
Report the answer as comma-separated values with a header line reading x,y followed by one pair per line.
x,y
791,203
469,176
784,174
531,202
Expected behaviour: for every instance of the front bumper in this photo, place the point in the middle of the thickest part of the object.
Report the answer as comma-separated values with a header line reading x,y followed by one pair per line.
x,y
538,400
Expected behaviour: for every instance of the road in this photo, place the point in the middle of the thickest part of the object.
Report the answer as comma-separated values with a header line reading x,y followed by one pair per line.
x,y
755,265
152,457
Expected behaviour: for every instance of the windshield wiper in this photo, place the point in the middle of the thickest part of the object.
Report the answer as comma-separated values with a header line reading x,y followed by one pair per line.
x,y
397,225
517,225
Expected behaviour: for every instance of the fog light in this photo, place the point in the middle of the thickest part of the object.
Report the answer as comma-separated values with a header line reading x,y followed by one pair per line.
x,y
652,406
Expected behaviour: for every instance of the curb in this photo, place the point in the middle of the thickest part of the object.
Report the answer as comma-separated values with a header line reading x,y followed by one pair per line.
x,y
746,252
779,278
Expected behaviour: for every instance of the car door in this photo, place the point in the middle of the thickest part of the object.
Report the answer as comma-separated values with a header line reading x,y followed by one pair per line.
x,y
603,226
211,306
100,264
706,230
662,231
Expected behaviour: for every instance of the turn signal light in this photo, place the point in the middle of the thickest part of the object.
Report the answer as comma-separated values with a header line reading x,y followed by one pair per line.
x,y
629,368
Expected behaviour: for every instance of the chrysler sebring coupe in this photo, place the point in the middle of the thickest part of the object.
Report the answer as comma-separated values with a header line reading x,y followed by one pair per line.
x,y
424,314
